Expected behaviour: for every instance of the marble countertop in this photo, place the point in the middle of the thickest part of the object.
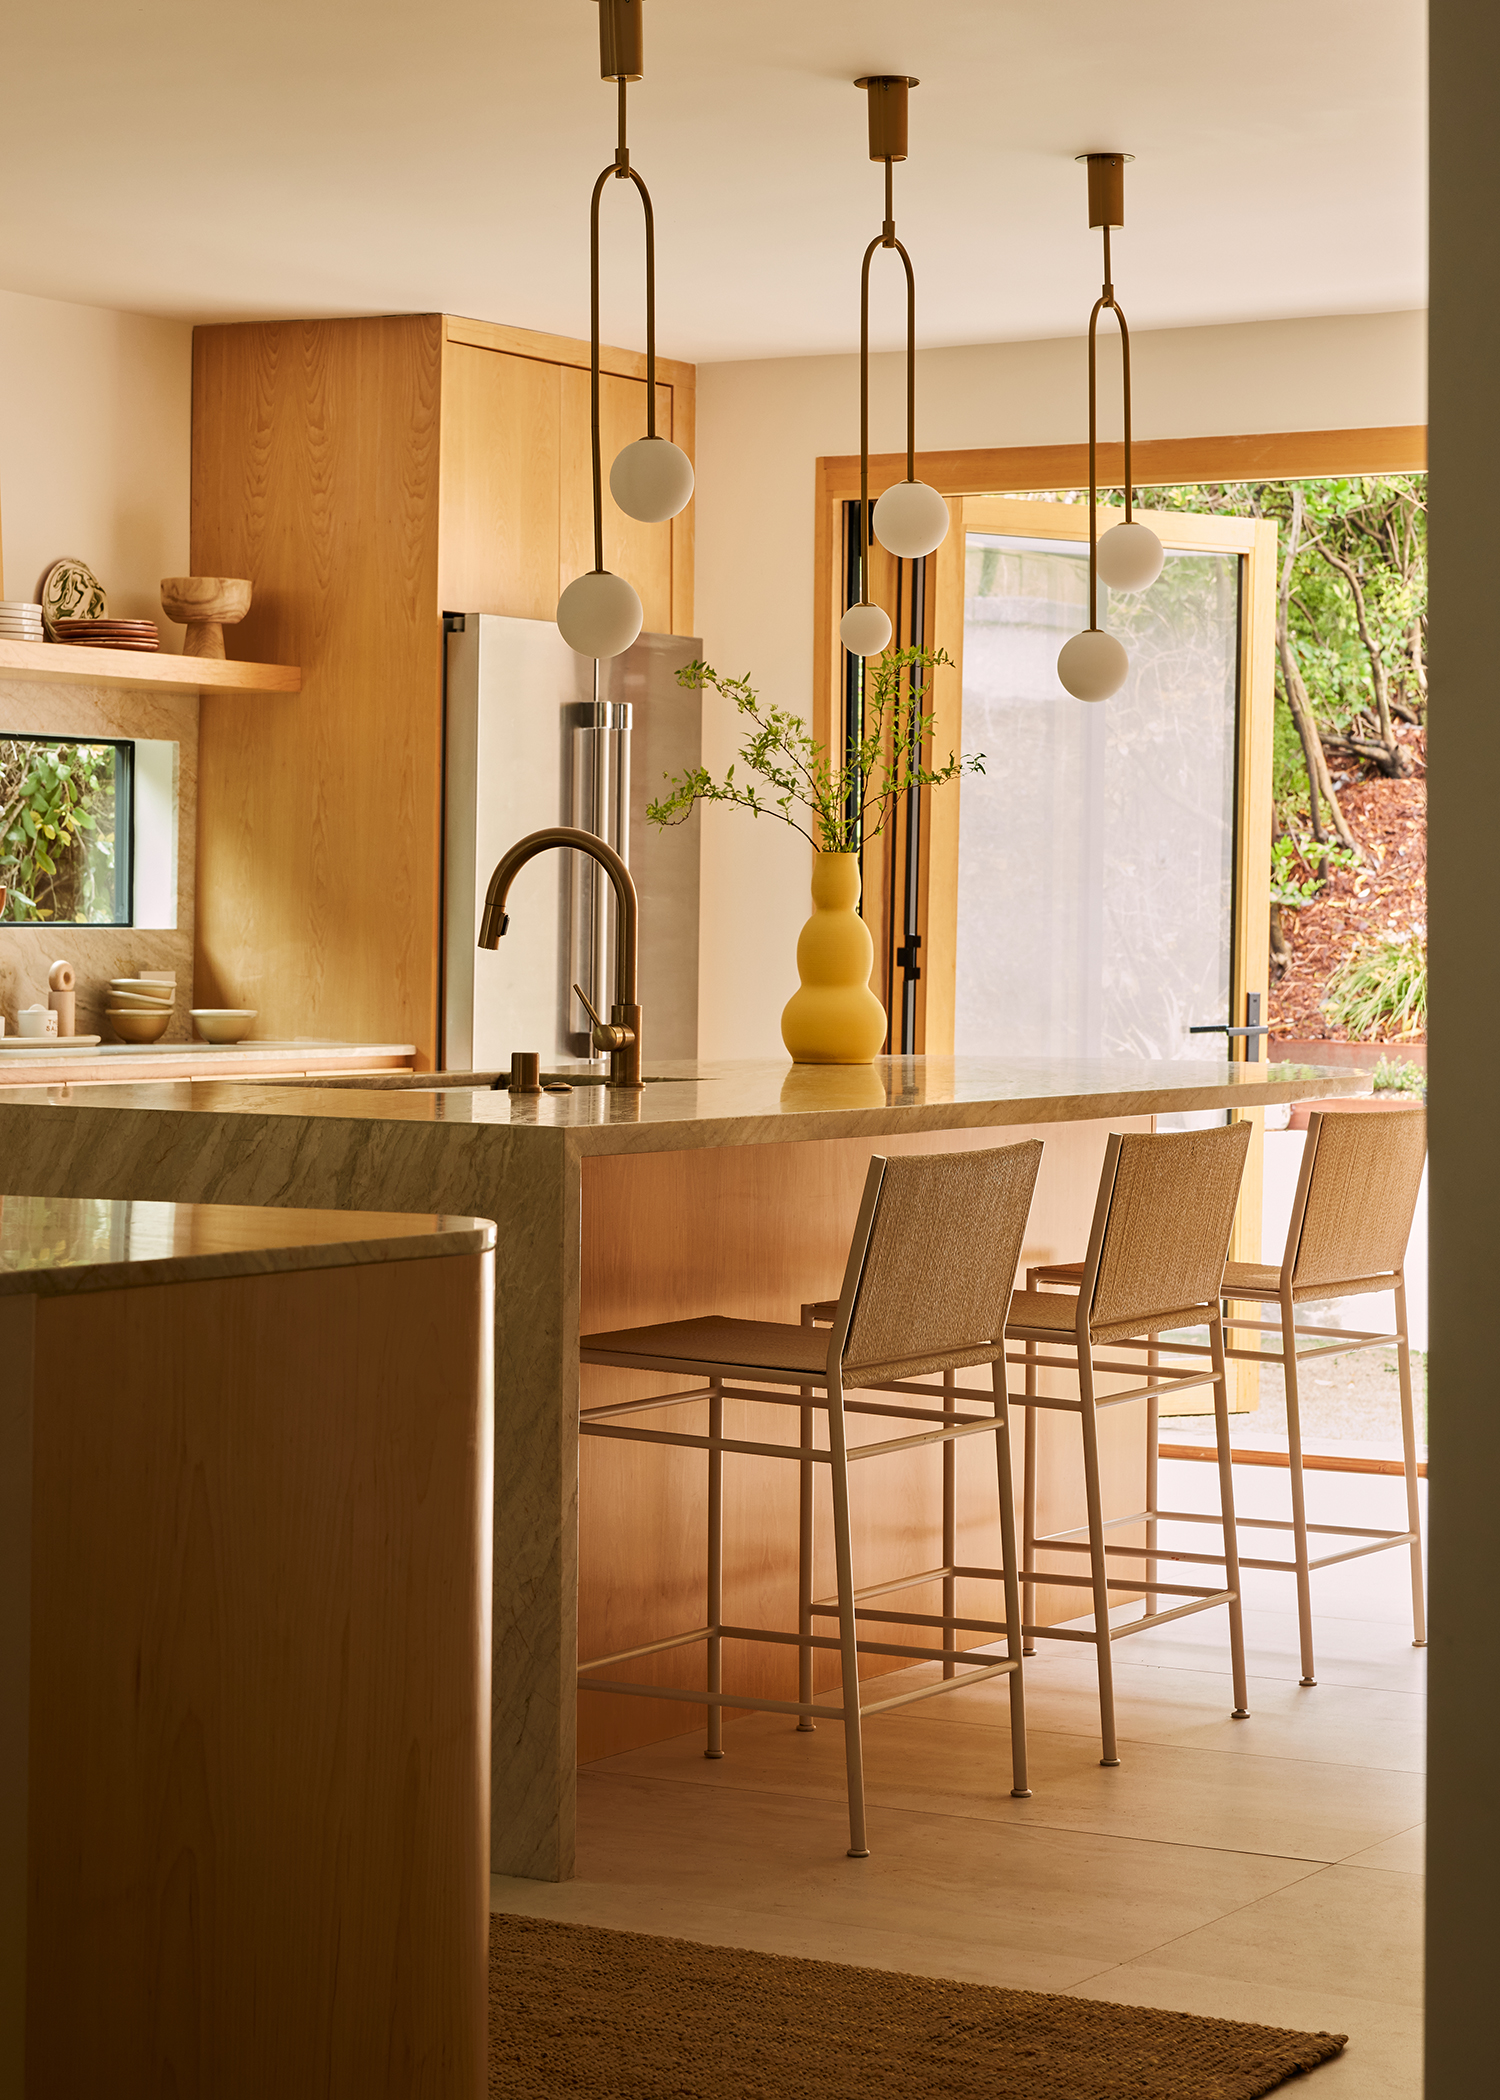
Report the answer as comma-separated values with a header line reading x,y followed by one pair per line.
x,y
52,1245
751,1101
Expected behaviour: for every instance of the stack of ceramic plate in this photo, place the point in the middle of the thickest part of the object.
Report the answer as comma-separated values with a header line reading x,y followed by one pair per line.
x,y
108,634
20,622
140,1008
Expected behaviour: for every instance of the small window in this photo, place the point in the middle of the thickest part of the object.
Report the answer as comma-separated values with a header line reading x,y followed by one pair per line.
x,y
66,831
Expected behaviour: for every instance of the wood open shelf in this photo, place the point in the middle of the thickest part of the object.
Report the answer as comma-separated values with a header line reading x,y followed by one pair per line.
x,y
58,660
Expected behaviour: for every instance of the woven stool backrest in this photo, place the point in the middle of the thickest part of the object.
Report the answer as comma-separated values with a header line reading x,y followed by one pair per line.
x,y
1170,1213
941,1261
1361,1194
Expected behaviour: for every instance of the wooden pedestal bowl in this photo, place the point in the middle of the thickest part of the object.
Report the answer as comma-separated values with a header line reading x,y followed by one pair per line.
x,y
205,605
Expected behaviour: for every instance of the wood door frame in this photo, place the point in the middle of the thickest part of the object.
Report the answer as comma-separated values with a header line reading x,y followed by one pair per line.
x,y
1259,456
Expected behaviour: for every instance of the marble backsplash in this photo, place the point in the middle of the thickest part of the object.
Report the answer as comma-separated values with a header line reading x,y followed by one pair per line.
x,y
35,707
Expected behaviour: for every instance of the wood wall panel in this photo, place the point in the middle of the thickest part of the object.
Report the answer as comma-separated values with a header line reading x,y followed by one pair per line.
x,y
315,474
753,1232
641,552
259,1771
502,437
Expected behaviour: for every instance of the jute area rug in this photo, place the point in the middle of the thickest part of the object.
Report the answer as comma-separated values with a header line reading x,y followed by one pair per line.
x,y
579,2011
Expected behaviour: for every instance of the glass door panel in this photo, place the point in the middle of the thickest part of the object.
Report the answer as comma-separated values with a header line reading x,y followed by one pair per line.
x,y
1096,853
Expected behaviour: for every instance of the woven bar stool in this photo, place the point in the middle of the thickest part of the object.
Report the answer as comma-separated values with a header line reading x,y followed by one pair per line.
x,y
1351,1219
1156,1258
926,1287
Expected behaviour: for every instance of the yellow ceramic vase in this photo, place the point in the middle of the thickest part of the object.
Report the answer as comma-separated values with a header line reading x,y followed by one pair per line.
x,y
834,1018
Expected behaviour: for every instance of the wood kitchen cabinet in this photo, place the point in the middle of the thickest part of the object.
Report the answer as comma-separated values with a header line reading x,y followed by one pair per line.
x,y
368,476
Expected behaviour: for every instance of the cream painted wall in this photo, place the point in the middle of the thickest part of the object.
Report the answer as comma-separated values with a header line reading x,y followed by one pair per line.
x,y
95,438
761,426
95,432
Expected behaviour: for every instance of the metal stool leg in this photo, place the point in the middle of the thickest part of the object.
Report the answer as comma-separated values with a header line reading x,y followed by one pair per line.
x,y
950,1519
1019,1785
1028,1505
1097,1562
1226,1521
805,1722
715,1566
1409,1455
1299,1497
843,1554
1153,1470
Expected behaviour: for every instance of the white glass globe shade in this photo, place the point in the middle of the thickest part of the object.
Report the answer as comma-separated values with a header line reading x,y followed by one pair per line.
x,y
1130,557
599,614
1092,665
911,519
651,480
864,630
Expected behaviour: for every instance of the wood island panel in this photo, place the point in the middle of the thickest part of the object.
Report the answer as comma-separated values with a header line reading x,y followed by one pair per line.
x,y
753,1233
259,1634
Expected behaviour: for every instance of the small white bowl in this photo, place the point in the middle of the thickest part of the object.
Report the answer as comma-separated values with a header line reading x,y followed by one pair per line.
x,y
223,1024
151,987
133,1026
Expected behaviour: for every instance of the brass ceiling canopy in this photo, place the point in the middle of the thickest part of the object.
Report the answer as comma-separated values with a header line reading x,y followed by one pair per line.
x,y
910,519
599,613
887,93
622,40
1093,665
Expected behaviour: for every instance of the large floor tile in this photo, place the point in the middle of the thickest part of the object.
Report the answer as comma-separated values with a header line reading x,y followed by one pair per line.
x,y
1357,1934
1014,1905
1406,1853
1161,1793
1383,2060
1331,1724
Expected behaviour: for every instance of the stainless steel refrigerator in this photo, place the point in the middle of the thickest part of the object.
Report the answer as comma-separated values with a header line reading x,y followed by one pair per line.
x,y
529,743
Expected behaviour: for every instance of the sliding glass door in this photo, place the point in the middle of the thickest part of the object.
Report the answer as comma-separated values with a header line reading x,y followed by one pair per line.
x,y
1096,852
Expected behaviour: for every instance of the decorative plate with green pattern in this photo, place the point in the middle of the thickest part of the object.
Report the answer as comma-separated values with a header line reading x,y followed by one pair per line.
x,y
71,591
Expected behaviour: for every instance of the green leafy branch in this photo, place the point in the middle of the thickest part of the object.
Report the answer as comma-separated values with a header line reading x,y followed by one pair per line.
x,y
836,808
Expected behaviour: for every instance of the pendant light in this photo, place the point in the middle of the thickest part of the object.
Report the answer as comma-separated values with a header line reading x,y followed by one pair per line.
x,y
1129,557
651,480
911,519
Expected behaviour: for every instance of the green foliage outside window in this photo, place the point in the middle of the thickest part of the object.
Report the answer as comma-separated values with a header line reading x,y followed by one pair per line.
x,y
58,842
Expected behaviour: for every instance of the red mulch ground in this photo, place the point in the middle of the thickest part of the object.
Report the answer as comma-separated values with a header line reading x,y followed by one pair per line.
x,y
1387,894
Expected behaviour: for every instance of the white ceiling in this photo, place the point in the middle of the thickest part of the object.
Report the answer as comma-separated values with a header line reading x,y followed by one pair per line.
x,y
307,157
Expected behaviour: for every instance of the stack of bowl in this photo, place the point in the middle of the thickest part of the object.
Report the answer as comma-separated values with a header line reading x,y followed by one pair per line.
x,y
140,1008
20,621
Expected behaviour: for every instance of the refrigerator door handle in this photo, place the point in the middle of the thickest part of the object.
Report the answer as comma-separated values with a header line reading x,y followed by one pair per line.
x,y
600,803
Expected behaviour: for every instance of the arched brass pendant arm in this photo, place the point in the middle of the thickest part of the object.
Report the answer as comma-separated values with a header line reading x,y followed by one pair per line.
x,y
1105,300
886,238
620,168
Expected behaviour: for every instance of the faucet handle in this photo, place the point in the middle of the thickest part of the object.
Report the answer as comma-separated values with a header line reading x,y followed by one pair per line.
x,y
606,1036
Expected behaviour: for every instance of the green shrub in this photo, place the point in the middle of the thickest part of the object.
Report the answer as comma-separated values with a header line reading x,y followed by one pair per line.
x,y
1381,989
1399,1076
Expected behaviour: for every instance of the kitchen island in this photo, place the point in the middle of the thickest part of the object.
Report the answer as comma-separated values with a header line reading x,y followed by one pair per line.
x,y
727,1188
245,1482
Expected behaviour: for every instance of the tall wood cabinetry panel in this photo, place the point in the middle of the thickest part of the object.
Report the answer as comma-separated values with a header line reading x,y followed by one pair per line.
x,y
315,474
368,476
517,513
